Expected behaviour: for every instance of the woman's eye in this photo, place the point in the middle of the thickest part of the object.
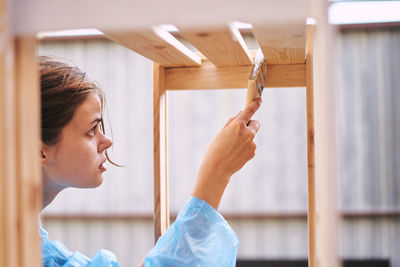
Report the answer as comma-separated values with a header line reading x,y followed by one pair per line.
x,y
92,131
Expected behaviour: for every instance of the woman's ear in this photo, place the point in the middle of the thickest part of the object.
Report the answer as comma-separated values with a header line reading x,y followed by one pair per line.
x,y
43,155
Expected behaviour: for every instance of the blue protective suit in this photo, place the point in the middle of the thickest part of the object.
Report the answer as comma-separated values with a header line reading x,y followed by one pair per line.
x,y
200,236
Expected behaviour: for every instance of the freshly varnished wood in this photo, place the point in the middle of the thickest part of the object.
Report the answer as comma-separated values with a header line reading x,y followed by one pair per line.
x,y
282,44
157,45
222,47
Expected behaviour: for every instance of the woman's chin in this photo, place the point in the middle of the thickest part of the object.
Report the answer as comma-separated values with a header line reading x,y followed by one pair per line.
x,y
99,181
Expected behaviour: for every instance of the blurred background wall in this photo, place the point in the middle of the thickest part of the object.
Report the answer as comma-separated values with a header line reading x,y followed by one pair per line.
x,y
266,201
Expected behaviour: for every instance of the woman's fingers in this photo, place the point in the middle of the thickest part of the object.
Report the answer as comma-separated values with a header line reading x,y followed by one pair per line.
x,y
254,125
249,111
232,119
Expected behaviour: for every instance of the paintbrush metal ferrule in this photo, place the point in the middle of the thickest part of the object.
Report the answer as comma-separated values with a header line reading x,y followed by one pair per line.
x,y
259,70
255,84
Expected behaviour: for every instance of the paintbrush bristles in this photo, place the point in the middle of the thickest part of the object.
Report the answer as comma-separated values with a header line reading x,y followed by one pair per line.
x,y
259,57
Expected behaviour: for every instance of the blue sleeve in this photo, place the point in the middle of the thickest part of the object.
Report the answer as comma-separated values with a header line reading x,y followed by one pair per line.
x,y
55,254
200,236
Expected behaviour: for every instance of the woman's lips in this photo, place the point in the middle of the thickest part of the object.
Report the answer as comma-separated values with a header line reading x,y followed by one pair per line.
x,y
103,166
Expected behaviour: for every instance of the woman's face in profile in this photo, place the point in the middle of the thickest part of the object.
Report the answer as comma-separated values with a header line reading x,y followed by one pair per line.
x,y
77,159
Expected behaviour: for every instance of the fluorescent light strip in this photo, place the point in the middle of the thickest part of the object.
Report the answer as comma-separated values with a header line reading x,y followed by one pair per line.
x,y
69,33
241,25
364,12
237,24
169,27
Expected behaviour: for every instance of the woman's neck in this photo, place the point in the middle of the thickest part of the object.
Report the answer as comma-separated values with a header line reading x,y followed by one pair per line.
x,y
50,191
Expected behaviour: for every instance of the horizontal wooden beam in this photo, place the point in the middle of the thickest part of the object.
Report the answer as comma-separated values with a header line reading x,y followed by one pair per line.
x,y
208,76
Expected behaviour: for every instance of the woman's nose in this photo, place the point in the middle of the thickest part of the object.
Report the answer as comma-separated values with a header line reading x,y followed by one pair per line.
x,y
105,143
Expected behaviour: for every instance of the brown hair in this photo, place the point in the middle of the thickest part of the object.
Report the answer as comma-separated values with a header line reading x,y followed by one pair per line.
x,y
63,88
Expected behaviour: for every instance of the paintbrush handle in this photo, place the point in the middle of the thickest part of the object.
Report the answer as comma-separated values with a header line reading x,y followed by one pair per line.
x,y
252,92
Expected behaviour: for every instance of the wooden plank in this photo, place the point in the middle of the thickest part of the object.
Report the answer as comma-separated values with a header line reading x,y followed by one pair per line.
x,y
161,206
157,45
208,76
28,146
222,47
282,44
312,257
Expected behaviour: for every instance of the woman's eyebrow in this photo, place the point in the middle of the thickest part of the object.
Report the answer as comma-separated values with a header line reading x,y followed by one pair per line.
x,y
99,119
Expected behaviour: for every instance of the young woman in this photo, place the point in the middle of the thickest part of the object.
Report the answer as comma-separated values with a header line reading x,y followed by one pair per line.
x,y
73,153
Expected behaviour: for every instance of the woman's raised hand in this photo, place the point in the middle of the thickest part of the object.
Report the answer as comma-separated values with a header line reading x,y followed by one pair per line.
x,y
228,152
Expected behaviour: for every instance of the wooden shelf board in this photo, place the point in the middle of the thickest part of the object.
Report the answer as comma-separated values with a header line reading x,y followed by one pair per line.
x,y
157,45
223,47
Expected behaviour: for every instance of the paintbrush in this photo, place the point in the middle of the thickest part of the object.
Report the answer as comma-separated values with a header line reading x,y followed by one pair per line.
x,y
258,75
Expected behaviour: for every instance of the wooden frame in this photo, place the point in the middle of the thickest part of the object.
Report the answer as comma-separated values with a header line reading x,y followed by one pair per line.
x,y
207,76
290,64
210,76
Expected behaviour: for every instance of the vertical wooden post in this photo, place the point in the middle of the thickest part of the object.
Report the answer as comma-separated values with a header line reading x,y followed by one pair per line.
x,y
161,206
326,168
28,150
312,258
8,192
20,181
